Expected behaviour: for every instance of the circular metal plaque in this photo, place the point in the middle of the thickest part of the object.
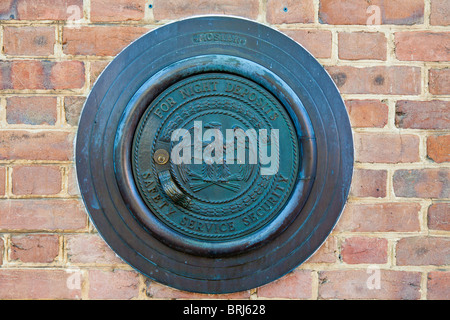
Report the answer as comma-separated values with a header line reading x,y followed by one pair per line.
x,y
214,154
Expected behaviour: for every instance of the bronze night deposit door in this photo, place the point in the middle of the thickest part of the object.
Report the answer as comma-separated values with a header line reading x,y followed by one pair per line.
x,y
214,154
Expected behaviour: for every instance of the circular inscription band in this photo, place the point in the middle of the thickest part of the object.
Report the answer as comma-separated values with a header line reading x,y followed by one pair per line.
x,y
228,199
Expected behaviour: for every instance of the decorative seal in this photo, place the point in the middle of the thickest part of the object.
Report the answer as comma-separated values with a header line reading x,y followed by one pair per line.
x,y
214,154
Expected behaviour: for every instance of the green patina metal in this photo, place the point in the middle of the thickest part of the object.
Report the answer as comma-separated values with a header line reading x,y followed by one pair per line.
x,y
218,201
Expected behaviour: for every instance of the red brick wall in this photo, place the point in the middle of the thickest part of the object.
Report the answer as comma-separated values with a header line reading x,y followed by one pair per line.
x,y
393,70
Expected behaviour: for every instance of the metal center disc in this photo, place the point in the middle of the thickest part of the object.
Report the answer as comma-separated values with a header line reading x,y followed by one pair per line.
x,y
230,199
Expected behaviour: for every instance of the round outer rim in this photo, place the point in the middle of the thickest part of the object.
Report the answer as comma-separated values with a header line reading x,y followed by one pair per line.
x,y
111,215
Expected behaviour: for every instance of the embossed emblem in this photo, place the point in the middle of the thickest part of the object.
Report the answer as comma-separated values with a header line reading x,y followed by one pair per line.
x,y
228,199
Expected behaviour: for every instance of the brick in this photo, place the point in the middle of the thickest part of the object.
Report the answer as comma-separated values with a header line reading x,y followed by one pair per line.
x,y
439,81
159,291
356,250
117,10
28,145
295,285
36,180
31,110
36,284
176,9
369,183
41,215
386,148
99,40
422,183
349,12
2,181
440,13
438,285
317,42
433,114
438,148
439,216
29,41
72,109
422,46
377,80
367,113
96,69
27,74
117,284
380,217
359,284
420,251
2,247
67,75
43,75
326,253
89,249
38,248
5,8
362,45
72,188
290,11
49,9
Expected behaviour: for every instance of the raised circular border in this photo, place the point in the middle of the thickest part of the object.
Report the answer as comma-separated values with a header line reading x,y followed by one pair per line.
x,y
147,57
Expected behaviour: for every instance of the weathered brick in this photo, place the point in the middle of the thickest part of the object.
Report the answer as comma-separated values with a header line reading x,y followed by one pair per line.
x,y
358,11
422,46
438,285
41,215
326,253
67,75
99,40
369,183
36,284
2,246
419,251
29,41
362,45
380,217
43,75
422,183
439,81
29,145
386,148
117,284
72,188
31,110
27,74
72,109
2,181
117,10
377,80
36,180
295,285
440,13
317,42
89,249
290,11
39,248
433,114
439,216
96,69
159,291
358,284
367,113
438,148
49,9
176,9
356,250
